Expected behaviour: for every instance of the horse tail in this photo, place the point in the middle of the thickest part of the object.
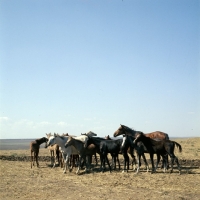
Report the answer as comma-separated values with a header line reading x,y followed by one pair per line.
x,y
178,146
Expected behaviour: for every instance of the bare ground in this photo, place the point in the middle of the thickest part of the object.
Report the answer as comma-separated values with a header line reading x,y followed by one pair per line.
x,y
19,181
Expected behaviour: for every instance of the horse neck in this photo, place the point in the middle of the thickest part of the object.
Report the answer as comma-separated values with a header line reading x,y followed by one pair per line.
x,y
40,141
77,144
147,141
61,142
95,141
131,132
81,137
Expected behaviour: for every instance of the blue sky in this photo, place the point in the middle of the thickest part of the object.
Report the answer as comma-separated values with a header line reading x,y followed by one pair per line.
x,y
76,66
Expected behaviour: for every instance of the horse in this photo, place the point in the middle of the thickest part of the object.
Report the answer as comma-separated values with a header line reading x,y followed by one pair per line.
x,y
66,152
163,147
34,147
113,155
157,135
83,152
140,150
96,141
54,152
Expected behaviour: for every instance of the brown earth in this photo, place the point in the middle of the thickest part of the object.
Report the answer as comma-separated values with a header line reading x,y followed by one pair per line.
x,y
19,181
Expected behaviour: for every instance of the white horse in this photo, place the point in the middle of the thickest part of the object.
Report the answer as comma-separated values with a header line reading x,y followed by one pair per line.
x,y
84,136
71,150
66,152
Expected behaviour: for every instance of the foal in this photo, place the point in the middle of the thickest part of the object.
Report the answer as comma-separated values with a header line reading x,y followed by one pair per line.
x,y
163,148
34,147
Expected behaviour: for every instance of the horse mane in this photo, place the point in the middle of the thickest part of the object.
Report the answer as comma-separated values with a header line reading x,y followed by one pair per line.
x,y
61,136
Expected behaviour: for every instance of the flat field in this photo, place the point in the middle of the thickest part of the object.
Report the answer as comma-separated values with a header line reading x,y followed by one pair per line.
x,y
19,181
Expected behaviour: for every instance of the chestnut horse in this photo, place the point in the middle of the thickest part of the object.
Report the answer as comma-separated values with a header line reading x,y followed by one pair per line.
x,y
34,147
157,135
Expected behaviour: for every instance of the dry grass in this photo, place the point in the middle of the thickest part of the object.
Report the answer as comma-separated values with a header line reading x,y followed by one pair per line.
x,y
19,181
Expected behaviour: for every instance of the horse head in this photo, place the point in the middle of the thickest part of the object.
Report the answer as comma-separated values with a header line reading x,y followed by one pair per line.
x,y
91,134
69,141
122,130
48,135
108,137
138,136
51,140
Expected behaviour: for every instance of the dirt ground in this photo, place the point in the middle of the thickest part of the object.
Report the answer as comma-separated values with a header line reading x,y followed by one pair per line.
x,y
19,181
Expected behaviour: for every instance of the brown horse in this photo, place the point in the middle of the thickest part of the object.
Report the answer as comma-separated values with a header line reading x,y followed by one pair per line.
x,y
157,135
34,147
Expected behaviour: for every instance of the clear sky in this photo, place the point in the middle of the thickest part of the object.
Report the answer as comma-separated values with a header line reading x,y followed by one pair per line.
x,y
74,66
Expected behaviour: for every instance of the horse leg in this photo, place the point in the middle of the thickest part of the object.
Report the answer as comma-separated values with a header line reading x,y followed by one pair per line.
x,y
66,162
164,162
101,159
58,157
89,161
31,158
152,163
108,162
145,161
133,159
158,160
104,163
126,162
79,164
138,162
95,156
133,162
52,155
178,165
172,163
36,157
114,161
118,161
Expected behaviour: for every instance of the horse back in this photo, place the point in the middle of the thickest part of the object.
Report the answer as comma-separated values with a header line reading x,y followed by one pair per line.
x,y
111,145
34,146
157,135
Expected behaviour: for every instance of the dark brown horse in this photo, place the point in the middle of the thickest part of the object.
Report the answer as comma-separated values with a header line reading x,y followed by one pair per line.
x,y
157,135
162,147
34,147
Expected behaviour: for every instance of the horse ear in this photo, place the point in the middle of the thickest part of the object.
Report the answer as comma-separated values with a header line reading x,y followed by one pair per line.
x,y
54,134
